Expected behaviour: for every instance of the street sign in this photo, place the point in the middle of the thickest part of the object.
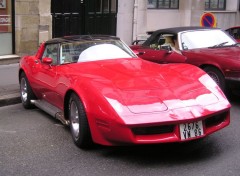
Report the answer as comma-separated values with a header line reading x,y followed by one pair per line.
x,y
208,20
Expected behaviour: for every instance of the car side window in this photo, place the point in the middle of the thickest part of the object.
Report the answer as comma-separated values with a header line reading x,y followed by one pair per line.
x,y
157,42
236,33
65,53
69,52
51,51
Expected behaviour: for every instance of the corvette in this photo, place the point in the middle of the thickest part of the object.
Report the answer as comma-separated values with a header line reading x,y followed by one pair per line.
x,y
109,96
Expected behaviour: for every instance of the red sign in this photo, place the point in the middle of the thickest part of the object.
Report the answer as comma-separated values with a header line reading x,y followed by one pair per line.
x,y
208,20
5,20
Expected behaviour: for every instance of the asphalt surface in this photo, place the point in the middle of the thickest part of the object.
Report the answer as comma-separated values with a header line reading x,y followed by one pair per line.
x,y
34,143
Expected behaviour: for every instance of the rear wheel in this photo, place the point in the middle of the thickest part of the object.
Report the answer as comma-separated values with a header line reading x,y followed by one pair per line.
x,y
78,123
217,76
26,92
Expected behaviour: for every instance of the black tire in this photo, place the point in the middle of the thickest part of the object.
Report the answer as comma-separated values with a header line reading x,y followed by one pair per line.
x,y
217,76
79,123
26,92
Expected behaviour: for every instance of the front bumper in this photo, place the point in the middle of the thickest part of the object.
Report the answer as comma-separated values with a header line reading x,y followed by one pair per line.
x,y
123,134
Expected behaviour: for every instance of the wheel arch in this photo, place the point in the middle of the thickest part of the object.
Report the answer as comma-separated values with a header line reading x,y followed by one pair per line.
x,y
221,80
22,70
212,66
19,74
96,135
67,98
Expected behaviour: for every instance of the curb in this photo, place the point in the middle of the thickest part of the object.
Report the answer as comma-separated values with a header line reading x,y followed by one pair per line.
x,y
10,99
9,59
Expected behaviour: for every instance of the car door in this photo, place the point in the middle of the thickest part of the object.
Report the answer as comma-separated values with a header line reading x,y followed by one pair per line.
x,y
154,55
46,77
161,56
159,50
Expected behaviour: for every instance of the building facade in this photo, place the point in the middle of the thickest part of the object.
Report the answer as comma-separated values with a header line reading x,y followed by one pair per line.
x,y
24,24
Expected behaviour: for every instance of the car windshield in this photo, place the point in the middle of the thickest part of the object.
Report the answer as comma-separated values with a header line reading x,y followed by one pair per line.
x,y
93,50
204,39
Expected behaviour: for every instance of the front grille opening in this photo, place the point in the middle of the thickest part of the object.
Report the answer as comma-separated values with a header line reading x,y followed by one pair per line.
x,y
215,120
153,130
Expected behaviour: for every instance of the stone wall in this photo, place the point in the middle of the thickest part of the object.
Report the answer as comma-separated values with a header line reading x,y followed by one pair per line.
x,y
31,17
45,25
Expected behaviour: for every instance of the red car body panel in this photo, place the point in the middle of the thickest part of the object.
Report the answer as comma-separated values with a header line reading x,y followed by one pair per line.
x,y
158,56
226,59
120,95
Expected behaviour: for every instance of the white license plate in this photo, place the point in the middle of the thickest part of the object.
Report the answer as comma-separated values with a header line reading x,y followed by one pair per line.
x,y
191,130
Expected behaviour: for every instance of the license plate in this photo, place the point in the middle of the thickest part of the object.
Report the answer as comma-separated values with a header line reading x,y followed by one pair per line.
x,y
191,130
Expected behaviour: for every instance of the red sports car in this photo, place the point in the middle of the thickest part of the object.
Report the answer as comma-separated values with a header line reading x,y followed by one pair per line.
x,y
211,49
107,95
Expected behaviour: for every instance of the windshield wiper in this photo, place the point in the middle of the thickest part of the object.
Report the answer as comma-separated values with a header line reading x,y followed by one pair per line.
x,y
219,45
236,44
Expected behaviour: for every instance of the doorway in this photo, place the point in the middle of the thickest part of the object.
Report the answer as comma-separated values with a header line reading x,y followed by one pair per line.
x,y
79,17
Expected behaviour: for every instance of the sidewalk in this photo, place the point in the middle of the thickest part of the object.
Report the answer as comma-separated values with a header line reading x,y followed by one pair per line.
x,y
9,86
9,59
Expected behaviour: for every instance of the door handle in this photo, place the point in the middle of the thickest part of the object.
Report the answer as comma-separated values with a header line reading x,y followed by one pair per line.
x,y
36,62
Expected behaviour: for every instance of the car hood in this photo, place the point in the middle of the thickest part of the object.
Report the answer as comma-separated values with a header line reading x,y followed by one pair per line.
x,y
222,52
142,86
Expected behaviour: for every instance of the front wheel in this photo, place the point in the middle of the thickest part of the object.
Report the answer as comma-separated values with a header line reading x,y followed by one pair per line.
x,y
79,123
217,76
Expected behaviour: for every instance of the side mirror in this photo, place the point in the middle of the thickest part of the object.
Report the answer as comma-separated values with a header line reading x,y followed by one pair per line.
x,y
47,60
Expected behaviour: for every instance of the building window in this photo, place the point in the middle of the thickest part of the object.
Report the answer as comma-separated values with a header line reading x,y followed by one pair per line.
x,y
215,4
6,27
163,4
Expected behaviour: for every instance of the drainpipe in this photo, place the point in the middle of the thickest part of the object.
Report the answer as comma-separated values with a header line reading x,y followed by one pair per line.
x,y
135,20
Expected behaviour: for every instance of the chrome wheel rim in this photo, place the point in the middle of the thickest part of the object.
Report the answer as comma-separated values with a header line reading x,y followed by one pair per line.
x,y
24,93
74,115
214,77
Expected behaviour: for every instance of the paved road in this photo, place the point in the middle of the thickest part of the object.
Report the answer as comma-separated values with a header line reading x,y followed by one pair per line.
x,y
32,143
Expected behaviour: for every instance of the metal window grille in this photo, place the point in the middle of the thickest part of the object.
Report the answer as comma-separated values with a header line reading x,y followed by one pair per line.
x,y
215,4
163,4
